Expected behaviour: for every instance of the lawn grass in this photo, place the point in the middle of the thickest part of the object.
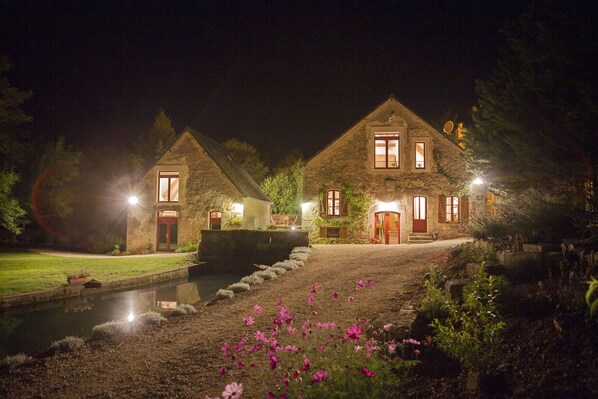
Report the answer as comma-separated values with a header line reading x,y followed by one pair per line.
x,y
24,271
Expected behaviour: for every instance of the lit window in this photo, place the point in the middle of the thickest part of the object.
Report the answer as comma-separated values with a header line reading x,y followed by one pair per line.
x,y
333,202
452,209
419,208
215,220
386,151
420,155
168,186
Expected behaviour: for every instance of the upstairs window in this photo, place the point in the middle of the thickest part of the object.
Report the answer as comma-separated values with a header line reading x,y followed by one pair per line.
x,y
386,151
168,186
452,209
420,155
333,203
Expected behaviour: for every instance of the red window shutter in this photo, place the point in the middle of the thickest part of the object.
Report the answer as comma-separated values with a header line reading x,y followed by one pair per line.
x,y
442,208
344,232
344,204
322,231
464,208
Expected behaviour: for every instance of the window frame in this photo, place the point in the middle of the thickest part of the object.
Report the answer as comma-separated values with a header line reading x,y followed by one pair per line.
x,y
449,213
210,225
386,137
335,204
169,175
424,155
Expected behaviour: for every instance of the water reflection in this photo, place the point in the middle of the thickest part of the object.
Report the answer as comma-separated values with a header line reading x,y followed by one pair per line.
x,y
33,328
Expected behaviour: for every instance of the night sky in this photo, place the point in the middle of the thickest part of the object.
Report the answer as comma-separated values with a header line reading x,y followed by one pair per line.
x,y
276,74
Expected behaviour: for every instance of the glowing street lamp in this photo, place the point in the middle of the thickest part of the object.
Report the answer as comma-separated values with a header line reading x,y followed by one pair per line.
x,y
130,317
133,200
478,181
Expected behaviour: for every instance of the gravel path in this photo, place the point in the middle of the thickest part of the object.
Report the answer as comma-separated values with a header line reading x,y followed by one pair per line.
x,y
181,358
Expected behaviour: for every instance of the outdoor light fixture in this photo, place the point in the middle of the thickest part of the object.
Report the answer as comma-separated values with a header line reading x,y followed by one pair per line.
x,y
477,181
238,208
130,317
388,206
305,206
133,200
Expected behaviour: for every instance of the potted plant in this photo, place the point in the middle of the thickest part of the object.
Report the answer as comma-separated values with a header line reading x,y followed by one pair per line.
x,y
78,277
235,223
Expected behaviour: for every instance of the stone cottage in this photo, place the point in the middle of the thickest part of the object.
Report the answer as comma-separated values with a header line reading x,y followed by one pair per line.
x,y
195,185
390,178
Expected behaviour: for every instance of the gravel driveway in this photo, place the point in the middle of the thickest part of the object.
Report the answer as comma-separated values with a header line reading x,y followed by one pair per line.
x,y
181,358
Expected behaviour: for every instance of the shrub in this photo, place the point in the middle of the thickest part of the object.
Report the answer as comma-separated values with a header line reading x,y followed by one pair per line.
x,y
433,305
189,247
473,252
107,330
436,276
17,360
81,273
67,344
278,270
302,256
252,279
266,274
225,294
183,309
523,268
239,287
151,318
592,303
473,327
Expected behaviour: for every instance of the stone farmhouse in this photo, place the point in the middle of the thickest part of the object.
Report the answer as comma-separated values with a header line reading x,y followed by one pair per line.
x,y
390,178
195,185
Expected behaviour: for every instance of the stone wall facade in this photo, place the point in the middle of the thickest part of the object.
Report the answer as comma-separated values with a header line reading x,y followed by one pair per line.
x,y
204,188
349,162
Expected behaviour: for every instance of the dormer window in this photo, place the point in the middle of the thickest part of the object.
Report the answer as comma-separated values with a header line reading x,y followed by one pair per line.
x,y
386,151
168,186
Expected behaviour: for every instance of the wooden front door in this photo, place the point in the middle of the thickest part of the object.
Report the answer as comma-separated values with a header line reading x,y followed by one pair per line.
x,y
388,230
420,212
167,232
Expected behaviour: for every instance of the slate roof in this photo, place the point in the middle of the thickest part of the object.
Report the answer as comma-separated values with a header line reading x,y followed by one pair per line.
x,y
237,175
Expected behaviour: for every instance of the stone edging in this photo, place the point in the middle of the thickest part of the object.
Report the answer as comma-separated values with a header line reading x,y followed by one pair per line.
x,y
70,291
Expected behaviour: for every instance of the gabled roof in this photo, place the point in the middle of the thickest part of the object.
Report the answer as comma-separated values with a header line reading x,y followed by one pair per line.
x,y
390,98
237,175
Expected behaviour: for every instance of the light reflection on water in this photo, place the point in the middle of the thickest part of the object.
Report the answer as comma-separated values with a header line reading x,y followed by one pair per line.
x,y
34,328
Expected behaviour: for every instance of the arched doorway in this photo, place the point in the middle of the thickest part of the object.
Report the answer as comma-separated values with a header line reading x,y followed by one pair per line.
x,y
387,227
168,230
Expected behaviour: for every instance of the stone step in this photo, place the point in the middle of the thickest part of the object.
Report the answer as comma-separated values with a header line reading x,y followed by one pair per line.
x,y
420,238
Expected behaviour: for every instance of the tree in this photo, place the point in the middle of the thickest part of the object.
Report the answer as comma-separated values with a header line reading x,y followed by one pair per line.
x,y
12,151
535,120
247,157
54,193
285,189
150,146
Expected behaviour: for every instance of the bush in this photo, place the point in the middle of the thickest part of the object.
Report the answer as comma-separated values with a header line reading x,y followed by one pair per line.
x,y
67,344
239,287
107,330
183,309
433,306
266,274
524,268
151,318
17,360
225,294
473,252
592,302
252,280
189,247
278,270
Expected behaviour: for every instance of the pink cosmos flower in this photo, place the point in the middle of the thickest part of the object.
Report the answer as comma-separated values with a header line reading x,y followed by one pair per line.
x,y
310,299
270,395
222,371
258,309
368,373
354,332
319,376
283,396
292,330
359,285
248,320
273,361
350,299
233,391
392,347
291,348
335,296
224,349
314,288
411,341
240,365
416,352
260,336
369,283
306,365
387,327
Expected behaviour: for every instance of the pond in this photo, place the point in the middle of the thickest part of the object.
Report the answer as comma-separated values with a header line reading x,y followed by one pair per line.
x,y
33,328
